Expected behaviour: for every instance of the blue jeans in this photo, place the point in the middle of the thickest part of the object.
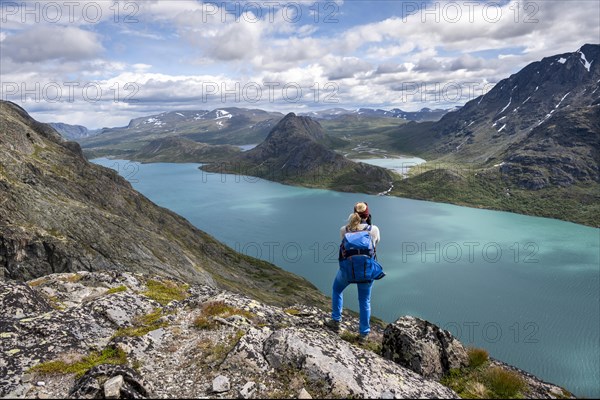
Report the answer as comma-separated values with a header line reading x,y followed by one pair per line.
x,y
364,299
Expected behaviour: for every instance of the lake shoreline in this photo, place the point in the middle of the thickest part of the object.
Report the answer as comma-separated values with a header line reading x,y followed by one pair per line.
x,y
471,190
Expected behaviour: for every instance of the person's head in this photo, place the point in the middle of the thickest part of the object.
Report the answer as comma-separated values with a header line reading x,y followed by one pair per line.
x,y
362,209
361,214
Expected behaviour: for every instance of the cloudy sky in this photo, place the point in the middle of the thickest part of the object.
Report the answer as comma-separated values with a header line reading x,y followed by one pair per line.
x,y
101,63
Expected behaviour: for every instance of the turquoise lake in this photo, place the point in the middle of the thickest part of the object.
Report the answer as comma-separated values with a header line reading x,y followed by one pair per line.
x,y
527,289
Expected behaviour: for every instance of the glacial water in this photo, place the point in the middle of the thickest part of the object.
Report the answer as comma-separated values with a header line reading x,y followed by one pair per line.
x,y
400,165
525,288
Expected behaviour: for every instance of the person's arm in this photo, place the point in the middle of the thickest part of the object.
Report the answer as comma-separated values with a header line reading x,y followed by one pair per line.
x,y
342,232
376,235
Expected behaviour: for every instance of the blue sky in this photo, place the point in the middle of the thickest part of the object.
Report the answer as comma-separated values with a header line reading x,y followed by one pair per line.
x,y
101,63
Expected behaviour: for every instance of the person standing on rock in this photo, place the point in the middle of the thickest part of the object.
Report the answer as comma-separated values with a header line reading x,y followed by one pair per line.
x,y
359,220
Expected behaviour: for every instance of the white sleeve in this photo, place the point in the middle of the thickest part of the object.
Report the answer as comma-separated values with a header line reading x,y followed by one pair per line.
x,y
375,234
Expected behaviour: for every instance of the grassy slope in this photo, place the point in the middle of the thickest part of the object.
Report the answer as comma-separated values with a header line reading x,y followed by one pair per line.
x,y
481,188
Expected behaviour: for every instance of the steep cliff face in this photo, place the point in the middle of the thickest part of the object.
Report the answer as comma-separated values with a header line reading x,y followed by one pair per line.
x,y
294,153
173,340
59,213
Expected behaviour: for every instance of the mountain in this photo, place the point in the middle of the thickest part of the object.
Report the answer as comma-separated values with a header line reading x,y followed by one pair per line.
x,y
425,114
521,122
73,132
235,126
295,152
529,145
177,150
59,213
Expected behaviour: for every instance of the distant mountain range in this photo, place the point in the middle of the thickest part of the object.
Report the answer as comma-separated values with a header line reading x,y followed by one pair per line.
x,y
425,114
222,126
233,126
297,151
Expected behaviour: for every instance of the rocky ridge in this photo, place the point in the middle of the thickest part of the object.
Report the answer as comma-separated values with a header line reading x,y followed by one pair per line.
x,y
255,351
188,341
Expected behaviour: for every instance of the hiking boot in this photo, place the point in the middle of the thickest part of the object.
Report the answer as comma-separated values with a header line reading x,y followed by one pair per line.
x,y
333,325
363,338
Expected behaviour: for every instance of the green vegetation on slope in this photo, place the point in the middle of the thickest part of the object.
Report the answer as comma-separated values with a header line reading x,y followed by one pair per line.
x,y
80,367
466,185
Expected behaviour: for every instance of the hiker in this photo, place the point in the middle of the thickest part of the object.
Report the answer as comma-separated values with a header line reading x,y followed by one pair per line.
x,y
358,222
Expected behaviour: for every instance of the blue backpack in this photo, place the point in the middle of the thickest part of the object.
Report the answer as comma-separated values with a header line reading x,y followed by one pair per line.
x,y
357,257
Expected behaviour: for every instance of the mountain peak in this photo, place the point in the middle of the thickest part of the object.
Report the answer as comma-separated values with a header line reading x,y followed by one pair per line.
x,y
293,125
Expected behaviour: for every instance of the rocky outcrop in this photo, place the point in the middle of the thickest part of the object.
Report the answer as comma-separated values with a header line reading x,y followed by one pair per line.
x,y
127,337
423,347
247,348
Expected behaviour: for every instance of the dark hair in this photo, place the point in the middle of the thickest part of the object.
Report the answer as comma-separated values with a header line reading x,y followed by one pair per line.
x,y
368,220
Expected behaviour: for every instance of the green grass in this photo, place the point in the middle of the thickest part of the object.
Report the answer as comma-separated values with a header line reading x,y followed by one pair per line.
x,y
477,357
483,381
166,291
117,289
106,356
473,186
143,324
503,383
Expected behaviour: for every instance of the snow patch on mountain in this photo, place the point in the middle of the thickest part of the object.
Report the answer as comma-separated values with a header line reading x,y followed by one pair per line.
x,y
584,61
222,114
509,102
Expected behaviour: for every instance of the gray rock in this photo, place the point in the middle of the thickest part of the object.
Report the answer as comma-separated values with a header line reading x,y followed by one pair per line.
x,y
248,355
248,390
345,370
423,347
304,394
112,387
220,384
132,386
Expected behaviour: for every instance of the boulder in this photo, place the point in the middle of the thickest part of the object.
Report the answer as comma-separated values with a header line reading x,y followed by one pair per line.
x,y
345,370
423,347
221,384
119,382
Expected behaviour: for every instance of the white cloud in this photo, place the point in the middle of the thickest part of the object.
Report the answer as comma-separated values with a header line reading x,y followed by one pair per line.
x,y
368,62
43,43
